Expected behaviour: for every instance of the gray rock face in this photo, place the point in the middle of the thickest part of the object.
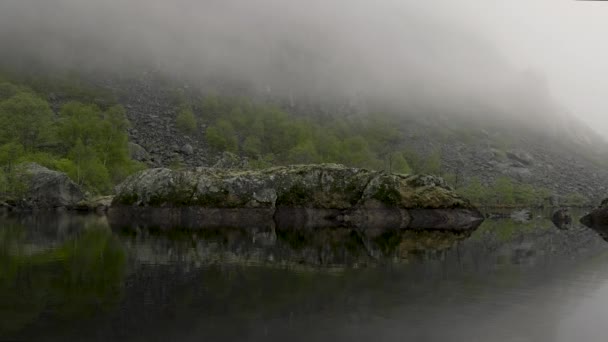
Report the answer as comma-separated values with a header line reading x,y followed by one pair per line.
x,y
49,189
330,194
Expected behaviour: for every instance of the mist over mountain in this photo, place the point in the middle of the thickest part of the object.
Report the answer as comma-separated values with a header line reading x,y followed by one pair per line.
x,y
397,55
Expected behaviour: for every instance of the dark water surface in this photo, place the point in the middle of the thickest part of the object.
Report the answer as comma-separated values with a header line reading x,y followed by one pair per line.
x,y
76,278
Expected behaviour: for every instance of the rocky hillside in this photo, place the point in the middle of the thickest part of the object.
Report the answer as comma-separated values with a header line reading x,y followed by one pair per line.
x,y
467,149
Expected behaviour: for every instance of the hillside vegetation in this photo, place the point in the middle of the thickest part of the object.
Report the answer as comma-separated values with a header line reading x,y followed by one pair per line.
x,y
87,142
68,125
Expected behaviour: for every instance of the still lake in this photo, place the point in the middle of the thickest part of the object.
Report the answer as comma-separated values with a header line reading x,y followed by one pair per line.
x,y
66,277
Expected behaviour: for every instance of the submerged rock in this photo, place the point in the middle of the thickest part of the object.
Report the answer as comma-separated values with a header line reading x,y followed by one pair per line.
x,y
330,194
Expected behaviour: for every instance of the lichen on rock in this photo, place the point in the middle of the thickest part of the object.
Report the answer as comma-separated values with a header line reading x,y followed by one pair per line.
x,y
325,186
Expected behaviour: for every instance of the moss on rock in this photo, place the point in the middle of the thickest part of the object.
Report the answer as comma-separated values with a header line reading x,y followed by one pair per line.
x,y
324,186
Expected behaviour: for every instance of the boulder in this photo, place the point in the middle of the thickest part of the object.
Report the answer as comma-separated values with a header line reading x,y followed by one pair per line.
x,y
138,153
187,150
334,191
46,188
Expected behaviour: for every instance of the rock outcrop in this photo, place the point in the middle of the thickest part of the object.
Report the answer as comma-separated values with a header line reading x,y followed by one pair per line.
x,y
44,188
323,195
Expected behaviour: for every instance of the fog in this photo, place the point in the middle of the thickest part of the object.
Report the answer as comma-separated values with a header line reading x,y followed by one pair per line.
x,y
520,58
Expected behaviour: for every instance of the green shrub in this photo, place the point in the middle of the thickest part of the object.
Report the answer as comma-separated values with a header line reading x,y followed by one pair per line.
x,y
504,192
222,136
398,164
186,121
27,120
252,146
87,142
575,199
474,191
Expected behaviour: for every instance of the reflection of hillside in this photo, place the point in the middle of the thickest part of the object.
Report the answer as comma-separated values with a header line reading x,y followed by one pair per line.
x,y
236,302
486,287
504,280
46,280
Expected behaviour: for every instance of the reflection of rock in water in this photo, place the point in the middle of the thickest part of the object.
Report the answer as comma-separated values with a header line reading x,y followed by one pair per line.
x,y
598,220
48,229
282,245
457,219
562,219
293,236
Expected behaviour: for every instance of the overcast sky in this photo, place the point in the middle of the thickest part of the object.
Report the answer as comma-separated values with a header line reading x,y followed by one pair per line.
x,y
566,40
410,50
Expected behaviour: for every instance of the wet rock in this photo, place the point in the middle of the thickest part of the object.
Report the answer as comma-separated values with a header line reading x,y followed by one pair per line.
x,y
562,219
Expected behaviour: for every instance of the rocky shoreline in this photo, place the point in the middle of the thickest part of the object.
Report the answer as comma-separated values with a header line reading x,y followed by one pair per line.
x,y
307,196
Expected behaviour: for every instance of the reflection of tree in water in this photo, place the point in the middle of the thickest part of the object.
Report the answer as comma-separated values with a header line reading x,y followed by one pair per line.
x,y
74,280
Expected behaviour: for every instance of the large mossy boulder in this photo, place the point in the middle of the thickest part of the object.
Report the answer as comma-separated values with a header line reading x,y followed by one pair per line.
x,y
326,186
328,193
44,188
